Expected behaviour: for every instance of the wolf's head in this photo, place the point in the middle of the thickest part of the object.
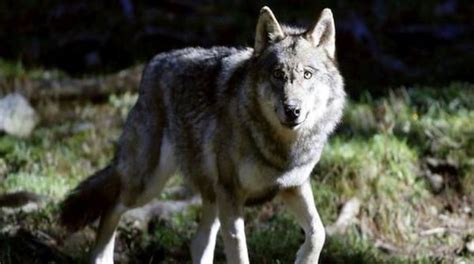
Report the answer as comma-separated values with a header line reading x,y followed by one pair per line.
x,y
295,73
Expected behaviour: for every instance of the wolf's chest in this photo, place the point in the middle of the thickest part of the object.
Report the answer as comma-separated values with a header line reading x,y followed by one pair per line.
x,y
256,178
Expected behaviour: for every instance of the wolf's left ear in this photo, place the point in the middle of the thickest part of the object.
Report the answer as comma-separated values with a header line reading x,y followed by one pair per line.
x,y
323,33
268,30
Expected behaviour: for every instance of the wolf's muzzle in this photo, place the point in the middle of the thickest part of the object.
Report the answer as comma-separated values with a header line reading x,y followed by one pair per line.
x,y
292,112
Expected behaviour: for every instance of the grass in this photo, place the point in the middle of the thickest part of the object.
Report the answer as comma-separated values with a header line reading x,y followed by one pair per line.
x,y
16,70
53,160
381,172
382,154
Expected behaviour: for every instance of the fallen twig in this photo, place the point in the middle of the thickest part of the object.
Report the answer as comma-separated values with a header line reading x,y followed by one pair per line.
x,y
72,88
348,213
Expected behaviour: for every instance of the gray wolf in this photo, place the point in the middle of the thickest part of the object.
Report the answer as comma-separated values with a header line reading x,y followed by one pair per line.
x,y
242,125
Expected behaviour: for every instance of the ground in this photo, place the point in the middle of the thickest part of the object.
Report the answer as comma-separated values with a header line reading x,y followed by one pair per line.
x,y
407,156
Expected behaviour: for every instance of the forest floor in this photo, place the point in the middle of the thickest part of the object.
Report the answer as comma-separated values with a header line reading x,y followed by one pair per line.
x,y
407,157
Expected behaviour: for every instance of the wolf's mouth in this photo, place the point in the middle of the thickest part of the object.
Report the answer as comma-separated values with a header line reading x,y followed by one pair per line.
x,y
294,125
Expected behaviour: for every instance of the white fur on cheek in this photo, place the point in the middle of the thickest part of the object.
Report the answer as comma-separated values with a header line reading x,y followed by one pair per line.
x,y
318,104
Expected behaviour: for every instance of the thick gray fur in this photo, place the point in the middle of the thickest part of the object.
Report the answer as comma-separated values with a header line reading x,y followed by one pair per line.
x,y
222,117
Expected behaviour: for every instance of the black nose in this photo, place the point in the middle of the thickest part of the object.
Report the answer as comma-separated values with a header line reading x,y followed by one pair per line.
x,y
292,112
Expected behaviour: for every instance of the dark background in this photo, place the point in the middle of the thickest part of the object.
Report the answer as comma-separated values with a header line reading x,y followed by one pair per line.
x,y
379,43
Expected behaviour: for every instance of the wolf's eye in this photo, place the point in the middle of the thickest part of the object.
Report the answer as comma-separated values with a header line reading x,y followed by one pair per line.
x,y
307,74
278,74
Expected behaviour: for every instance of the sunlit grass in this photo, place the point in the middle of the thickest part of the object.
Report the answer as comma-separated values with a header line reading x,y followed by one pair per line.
x,y
54,159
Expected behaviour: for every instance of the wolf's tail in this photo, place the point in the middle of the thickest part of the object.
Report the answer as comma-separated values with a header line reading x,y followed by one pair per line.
x,y
89,199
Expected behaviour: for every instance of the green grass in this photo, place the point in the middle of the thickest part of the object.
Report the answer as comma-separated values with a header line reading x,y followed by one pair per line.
x,y
16,70
55,158
378,155
436,123
380,171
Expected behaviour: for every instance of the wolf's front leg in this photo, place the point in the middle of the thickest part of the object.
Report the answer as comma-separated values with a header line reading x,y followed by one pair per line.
x,y
233,229
300,202
204,242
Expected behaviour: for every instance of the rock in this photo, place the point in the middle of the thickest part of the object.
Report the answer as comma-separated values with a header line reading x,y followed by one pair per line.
x,y
17,117
470,246
466,209
436,182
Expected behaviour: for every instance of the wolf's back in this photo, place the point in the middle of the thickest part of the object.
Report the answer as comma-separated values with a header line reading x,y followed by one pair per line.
x,y
90,199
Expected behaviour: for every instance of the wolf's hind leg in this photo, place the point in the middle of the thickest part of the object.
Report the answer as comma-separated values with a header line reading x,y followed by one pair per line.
x,y
103,251
156,181
204,242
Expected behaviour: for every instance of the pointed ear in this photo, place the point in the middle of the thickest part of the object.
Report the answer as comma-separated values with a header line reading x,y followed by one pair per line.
x,y
323,33
268,30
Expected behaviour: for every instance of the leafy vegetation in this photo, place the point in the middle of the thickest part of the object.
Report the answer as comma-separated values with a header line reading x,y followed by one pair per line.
x,y
387,153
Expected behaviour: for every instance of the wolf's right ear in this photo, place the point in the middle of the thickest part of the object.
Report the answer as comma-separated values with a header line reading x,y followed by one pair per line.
x,y
268,30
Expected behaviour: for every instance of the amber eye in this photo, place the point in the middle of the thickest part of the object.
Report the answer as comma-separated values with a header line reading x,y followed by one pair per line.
x,y
307,74
278,74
